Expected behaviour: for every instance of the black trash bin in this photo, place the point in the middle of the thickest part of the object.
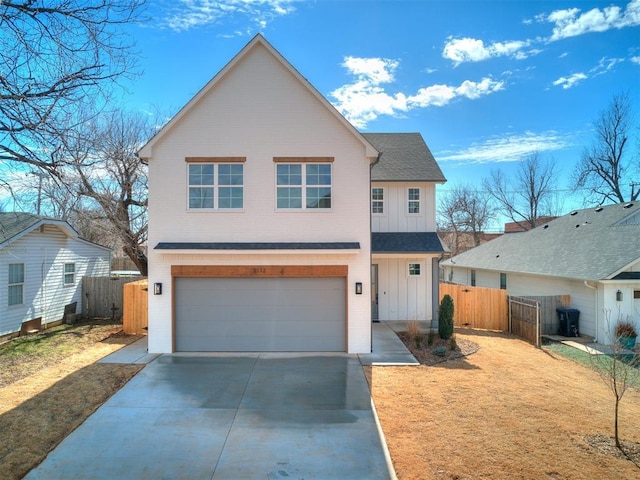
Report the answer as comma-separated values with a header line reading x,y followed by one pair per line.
x,y
569,322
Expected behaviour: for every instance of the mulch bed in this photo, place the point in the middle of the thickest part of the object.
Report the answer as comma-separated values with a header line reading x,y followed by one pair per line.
x,y
425,354
607,446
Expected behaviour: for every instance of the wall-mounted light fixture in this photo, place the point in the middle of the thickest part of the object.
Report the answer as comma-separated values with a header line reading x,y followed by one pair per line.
x,y
618,296
358,288
157,289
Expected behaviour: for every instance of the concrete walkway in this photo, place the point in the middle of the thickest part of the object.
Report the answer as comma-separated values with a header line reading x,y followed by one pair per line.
x,y
234,416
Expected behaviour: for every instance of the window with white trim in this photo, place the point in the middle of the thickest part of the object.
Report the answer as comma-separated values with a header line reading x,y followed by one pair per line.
x,y
216,186
377,200
69,273
16,284
503,281
413,200
303,186
415,270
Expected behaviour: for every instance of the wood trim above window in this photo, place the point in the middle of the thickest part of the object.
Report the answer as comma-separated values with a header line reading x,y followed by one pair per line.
x,y
303,159
215,159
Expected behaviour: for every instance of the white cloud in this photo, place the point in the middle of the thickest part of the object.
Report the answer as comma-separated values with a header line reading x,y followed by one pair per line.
x,y
460,50
365,99
635,60
508,148
187,14
571,23
570,81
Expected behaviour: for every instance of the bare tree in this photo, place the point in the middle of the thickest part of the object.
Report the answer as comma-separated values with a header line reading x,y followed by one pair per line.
x,y
112,179
608,171
528,196
620,371
466,210
55,56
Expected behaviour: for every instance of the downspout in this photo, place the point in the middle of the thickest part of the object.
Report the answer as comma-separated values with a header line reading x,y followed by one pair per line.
x,y
586,284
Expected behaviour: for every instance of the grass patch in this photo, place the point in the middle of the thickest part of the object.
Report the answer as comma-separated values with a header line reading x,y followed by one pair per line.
x,y
24,356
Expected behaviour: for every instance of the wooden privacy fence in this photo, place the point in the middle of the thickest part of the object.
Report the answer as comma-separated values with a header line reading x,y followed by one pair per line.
x,y
524,319
478,307
135,307
102,296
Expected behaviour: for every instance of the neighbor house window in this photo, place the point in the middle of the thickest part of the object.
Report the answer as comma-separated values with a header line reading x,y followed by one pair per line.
x,y
473,278
503,281
377,200
16,283
414,269
413,195
216,186
304,186
69,273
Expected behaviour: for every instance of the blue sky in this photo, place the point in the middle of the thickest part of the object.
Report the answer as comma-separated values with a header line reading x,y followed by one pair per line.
x,y
484,82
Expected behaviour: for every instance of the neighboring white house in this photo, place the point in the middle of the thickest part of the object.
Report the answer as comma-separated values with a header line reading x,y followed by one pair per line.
x,y
593,255
260,223
42,262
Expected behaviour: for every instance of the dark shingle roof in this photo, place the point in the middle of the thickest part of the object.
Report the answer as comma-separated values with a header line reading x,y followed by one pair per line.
x,y
403,157
14,223
258,246
591,244
406,242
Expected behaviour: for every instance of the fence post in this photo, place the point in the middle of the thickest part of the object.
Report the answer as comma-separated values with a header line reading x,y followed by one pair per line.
x,y
538,324
509,300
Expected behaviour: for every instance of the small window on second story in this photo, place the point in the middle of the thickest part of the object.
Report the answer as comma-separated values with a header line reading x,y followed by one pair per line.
x,y
413,197
414,270
503,281
216,186
473,278
377,200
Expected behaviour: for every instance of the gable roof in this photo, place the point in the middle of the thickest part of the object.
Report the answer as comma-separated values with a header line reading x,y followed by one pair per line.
x,y
406,242
146,151
403,157
590,244
15,225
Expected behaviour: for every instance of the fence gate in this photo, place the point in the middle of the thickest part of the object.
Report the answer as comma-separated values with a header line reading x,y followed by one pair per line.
x,y
524,319
478,307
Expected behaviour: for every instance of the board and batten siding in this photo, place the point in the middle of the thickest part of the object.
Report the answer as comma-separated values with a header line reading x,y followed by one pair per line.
x,y
259,110
400,296
44,253
396,217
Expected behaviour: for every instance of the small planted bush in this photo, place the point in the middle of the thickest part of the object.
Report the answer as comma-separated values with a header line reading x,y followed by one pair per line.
x,y
445,318
413,329
430,337
440,351
454,343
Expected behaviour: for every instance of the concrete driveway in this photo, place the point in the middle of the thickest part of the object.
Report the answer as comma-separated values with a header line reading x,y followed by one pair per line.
x,y
233,416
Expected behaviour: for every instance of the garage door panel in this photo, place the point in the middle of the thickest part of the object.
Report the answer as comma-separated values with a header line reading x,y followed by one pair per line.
x,y
260,314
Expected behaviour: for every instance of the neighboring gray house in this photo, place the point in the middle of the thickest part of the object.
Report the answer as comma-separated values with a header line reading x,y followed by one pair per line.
x,y
42,262
593,255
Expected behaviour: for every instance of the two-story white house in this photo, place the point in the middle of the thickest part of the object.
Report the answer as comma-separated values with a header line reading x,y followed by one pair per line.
x,y
260,225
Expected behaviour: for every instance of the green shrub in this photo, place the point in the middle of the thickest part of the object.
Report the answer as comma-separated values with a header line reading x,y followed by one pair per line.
x,y
430,337
440,351
454,342
445,318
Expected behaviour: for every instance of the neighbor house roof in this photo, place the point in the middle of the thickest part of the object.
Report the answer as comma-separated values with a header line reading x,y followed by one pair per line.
x,y
15,225
147,150
403,157
406,242
591,244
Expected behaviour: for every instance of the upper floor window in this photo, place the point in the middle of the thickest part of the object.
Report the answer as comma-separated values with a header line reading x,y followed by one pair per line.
x,y
377,200
503,281
303,185
473,278
413,198
69,273
16,283
216,186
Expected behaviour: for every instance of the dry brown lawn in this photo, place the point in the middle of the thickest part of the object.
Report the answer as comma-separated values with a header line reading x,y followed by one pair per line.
x,y
508,411
43,400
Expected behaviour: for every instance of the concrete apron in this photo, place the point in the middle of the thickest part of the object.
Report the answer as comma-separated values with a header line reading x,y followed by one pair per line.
x,y
230,416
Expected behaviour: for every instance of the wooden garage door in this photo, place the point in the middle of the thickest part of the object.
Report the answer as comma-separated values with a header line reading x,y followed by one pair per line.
x,y
260,314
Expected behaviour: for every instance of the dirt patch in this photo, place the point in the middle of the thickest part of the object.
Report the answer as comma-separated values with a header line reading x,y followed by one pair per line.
x,y
509,411
38,410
